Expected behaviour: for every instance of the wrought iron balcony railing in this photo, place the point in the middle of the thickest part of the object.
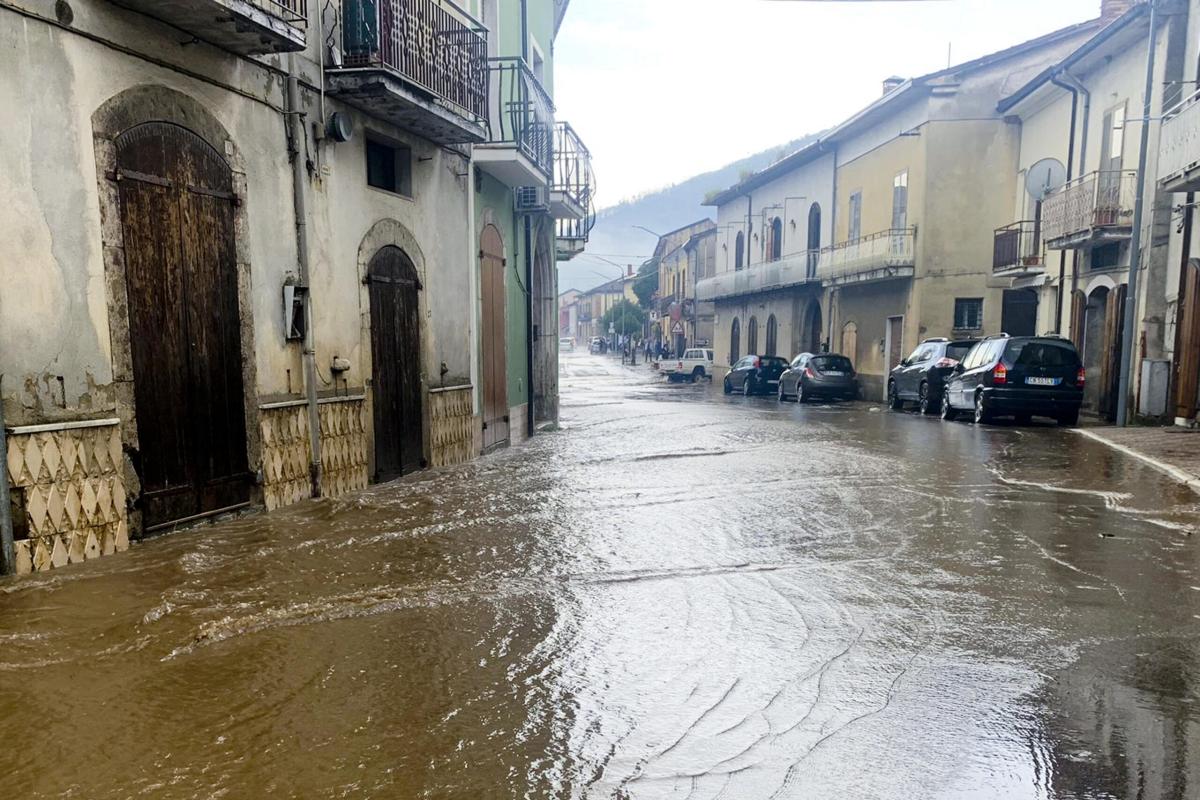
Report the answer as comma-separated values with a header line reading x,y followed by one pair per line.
x,y
425,43
249,27
1179,151
573,189
1018,247
522,113
893,248
294,12
1096,206
791,270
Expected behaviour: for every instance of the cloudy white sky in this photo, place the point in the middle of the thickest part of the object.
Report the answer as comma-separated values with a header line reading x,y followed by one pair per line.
x,y
661,90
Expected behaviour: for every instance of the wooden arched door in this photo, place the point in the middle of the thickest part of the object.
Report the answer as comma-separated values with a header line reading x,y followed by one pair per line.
x,y
493,338
177,219
396,358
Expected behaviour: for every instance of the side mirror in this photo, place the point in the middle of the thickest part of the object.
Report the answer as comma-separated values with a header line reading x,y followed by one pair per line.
x,y
904,362
958,368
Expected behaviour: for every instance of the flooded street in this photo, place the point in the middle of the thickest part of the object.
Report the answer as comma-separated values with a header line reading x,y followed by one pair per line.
x,y
677,595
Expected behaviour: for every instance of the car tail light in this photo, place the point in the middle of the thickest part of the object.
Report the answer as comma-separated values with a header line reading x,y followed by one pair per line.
x,y
1000,375
758,363
1081,377
680,366
946,363
808,372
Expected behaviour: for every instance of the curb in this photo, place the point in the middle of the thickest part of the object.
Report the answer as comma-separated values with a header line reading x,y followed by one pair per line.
x,y
1182,476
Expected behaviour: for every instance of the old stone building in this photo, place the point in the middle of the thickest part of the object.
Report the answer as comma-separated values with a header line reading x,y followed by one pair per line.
x,y
244,264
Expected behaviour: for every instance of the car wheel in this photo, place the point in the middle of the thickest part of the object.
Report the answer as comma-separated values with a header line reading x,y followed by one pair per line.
x,y
801,397
747,387
782,394
894,401
697,374
1069,419
728,387
1024,419
928,404
948,412
982,415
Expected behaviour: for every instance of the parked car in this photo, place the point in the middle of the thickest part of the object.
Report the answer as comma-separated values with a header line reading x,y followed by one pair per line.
x,y
755,375
1019,377
696,363
826,375
921,378
566,344
596,345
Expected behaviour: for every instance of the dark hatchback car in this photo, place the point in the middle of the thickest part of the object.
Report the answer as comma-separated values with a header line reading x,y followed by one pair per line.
x,y
825,375
755,375
921,378
1017,377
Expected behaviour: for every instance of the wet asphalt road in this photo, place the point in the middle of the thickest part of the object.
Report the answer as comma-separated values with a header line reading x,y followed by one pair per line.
x,y
677,595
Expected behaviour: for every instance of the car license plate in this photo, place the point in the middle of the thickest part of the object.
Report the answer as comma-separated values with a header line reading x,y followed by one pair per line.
x,y
832,373
1043,381
773,382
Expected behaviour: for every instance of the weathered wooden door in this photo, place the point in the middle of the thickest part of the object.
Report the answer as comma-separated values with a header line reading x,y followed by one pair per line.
x,y
495,372
177,205
1110,369
396,358
1187,360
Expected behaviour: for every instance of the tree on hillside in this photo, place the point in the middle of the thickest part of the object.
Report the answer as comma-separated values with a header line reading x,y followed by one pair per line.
x,y
646,283
625,317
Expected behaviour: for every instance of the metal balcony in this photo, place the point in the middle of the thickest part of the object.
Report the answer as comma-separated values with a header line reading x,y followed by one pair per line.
x,y
520,148
247,27
793,270
1179,149
1017,249
880,256
1090,210
572,200
419,64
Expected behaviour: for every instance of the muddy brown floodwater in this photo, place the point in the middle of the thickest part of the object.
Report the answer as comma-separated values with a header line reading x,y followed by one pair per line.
x,y
677,595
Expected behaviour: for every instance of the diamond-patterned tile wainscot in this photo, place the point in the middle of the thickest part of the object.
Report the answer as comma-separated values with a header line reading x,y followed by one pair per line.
x,y
70,483
452,419
285,450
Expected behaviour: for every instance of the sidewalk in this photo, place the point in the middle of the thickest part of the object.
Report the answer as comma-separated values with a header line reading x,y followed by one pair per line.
x,y
1174,451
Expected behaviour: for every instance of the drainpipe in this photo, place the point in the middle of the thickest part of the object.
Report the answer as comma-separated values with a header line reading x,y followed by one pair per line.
x,y
1062,254
300,201
1139,213
8,553
530,328
1083,148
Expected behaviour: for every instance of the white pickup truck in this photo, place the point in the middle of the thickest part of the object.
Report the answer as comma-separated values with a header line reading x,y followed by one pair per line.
x,y
696,363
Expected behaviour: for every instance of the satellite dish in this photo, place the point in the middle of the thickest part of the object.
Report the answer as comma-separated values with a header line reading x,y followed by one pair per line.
x,y
1046,176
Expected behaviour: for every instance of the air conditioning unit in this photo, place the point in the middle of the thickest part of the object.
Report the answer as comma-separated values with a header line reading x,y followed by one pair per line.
x,y
532,200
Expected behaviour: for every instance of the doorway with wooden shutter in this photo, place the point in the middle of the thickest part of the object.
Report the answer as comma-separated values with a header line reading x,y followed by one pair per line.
x,y
177,204
396,393
494,337
1187,356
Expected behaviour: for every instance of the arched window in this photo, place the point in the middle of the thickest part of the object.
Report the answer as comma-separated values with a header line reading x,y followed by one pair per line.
x,y
775,243
850,341
772,336
752,337
814,238
735,342
739,251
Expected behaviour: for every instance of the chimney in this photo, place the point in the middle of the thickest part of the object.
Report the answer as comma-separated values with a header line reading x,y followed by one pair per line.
x,y
891,84
1111,9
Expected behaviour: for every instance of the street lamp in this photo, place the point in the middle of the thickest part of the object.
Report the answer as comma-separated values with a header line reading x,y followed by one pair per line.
x,y
647,230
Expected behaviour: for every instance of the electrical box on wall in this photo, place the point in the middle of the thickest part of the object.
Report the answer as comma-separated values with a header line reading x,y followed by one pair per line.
x,y
295,325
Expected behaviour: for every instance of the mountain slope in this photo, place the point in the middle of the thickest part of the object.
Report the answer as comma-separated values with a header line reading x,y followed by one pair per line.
x,y
661,211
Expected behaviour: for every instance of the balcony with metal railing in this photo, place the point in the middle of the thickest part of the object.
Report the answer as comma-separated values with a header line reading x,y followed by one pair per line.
x,y
1179,149
1093,209
1017,249
793,270
572,192
419,64
879,256
248,27
520,146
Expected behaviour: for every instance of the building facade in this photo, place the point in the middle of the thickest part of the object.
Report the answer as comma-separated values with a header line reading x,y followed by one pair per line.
x,y
251,257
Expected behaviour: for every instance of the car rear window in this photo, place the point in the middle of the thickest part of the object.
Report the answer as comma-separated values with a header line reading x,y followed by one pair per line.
x,y
1043,353
832,363
958,351
773,361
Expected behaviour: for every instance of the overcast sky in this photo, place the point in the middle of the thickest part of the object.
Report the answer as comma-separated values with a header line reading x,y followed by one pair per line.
x,y
661,90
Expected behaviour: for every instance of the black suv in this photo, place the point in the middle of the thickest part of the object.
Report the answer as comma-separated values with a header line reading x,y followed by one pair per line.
x,y
1018,377
921,378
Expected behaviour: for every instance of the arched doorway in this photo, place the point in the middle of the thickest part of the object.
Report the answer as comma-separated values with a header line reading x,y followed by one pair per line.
x,y
815,328
494,336
813,244
735,342
177,218
545,330
775,242
850,342
739,251
752,337
772,336
396,357
1103,316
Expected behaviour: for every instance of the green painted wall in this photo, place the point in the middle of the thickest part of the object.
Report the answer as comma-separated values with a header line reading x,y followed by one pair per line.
x,y
494,202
